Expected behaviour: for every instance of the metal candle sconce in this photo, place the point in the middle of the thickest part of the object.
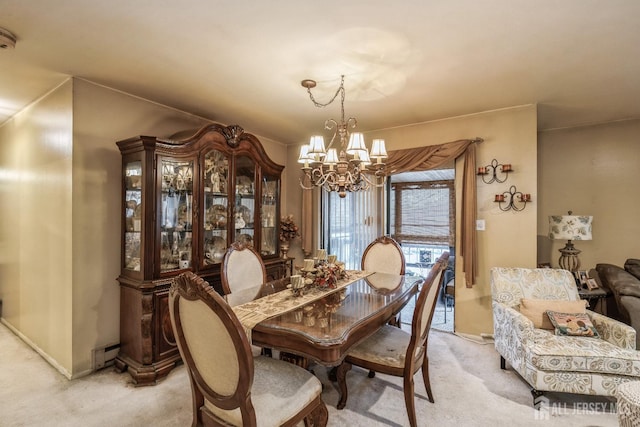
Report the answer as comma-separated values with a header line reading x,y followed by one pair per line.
x,y
512,197
491,171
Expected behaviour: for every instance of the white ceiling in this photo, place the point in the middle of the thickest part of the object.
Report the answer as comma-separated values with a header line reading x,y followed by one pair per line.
x,y
241,62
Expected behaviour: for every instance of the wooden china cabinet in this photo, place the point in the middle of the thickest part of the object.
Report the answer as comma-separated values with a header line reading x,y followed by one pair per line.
x,y
183,204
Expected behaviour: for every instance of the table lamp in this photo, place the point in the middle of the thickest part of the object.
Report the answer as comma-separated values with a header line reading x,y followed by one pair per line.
x,y
570,227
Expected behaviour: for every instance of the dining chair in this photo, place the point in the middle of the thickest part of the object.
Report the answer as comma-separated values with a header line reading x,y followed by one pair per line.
x,y
384,255
229,386
243,274
396,352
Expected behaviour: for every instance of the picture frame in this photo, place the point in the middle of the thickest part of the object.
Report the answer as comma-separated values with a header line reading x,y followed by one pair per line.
x,y
591,284
581,277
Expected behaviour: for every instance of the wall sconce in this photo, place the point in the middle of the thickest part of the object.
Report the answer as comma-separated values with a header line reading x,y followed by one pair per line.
x,y
491,172
514,200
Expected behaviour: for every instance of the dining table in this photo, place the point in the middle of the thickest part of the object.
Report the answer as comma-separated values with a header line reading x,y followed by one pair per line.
x,y
322,324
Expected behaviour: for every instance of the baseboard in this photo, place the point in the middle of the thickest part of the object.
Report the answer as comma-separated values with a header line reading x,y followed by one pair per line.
x,y
483,338
38,350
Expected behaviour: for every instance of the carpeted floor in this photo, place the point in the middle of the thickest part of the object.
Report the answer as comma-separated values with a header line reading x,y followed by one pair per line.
x,y
468,386
442,316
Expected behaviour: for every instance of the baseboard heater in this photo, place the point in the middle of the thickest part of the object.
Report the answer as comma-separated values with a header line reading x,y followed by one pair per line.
x,y
104,356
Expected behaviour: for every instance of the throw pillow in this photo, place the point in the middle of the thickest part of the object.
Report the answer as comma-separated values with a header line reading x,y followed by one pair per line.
x,y
633,267
573,324
535,310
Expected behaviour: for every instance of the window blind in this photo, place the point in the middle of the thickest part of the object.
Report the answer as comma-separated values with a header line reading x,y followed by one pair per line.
x,y
423,212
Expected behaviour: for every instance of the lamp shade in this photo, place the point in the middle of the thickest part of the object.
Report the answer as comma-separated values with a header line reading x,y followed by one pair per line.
x,y
356,143
570,227
316,146
304,154
332,157
378,150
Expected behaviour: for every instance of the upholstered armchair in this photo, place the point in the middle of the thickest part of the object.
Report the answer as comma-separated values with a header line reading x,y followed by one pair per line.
x,y
550,362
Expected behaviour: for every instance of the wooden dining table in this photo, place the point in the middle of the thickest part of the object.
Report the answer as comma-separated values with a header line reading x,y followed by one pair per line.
x,y
325,328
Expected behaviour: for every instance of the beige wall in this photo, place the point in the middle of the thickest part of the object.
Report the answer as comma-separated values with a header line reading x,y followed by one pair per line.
x,y
60,240
35,238
510,237
592,170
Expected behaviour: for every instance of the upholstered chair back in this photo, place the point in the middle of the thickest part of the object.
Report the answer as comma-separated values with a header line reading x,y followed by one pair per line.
x,y
243,273
383,255
510,285
423,312
212,344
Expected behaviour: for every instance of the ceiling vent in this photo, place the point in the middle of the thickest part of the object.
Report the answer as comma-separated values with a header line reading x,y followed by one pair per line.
x,y
7,40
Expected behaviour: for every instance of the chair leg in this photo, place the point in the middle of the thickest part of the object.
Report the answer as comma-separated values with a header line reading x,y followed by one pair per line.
x,y
341,375
319,417
371,374
410,401
537,394
503,364
425,377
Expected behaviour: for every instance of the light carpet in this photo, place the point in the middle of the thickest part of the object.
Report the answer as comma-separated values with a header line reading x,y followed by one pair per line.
x,y
469,388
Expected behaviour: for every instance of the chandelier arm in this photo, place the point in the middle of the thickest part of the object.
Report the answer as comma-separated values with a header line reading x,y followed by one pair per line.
x,y
375,184
304,187
319,178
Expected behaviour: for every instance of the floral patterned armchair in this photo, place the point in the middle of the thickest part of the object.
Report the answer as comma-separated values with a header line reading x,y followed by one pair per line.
x,y
548,362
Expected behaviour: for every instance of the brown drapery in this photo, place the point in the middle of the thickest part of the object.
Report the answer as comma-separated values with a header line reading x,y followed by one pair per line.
x,y
307,219
433,156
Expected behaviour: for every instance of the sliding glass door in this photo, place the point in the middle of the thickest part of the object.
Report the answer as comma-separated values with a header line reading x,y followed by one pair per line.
x,y
351,223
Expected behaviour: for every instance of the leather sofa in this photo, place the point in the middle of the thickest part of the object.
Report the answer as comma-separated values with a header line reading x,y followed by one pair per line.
x,y
624,284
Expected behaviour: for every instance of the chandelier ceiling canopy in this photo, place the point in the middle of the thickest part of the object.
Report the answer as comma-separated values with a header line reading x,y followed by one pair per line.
x,y
346,164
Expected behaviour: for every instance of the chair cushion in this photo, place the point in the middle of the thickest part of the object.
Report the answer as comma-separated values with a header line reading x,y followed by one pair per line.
x,y
572,324
536,310
388,346
549,352
280,390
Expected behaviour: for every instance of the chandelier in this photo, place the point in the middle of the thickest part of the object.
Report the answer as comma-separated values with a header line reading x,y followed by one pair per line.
x,y
347,165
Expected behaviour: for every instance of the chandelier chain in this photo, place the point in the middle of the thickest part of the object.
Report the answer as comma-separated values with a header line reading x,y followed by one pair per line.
x,y
333,98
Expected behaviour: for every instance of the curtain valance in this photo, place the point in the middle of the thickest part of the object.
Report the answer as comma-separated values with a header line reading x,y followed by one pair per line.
x,y
434,156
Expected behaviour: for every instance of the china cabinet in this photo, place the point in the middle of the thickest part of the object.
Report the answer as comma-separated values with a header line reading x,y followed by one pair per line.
x,y
184,203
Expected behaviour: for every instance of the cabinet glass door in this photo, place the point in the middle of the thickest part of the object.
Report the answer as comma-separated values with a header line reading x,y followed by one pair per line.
x,y
176,214
269,215
132,215
216,207
245,206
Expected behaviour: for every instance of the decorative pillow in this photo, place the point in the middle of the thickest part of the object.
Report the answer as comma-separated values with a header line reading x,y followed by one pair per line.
x,y
535,310
572,324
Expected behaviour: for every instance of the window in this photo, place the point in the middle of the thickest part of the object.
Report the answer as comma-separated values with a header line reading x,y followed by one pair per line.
x,y
423,212
422,216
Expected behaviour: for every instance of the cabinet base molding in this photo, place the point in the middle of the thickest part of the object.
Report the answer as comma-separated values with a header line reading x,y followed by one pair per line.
x,y
145,375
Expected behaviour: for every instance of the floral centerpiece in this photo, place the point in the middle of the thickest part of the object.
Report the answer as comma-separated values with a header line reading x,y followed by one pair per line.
x,y
288,232
327,275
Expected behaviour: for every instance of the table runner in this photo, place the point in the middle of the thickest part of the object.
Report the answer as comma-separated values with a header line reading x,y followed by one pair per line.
x,y
254,312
